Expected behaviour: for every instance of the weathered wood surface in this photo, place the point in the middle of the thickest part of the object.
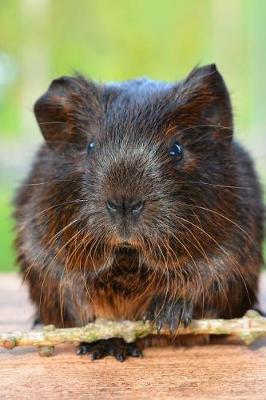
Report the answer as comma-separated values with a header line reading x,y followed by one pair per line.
x,y
218,371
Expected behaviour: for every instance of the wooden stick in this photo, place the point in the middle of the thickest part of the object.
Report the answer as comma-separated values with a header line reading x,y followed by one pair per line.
x,y
248,328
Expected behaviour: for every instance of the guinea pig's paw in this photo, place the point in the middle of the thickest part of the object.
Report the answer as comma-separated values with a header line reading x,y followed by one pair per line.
x,y
115,347
169,313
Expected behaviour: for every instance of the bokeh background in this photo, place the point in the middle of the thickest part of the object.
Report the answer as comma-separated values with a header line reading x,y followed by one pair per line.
x,y
116,40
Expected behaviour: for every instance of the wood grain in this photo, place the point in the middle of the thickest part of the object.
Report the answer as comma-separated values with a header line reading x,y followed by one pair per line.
x,y
222,370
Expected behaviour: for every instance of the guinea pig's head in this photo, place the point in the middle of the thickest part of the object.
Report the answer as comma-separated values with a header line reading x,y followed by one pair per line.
x,y
141,163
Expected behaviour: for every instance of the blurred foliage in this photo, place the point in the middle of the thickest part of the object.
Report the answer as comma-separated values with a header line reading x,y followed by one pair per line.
x,y
6,234
121,39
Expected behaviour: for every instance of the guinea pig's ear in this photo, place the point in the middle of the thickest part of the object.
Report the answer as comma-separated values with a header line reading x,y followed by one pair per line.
x,y
65,111
203,101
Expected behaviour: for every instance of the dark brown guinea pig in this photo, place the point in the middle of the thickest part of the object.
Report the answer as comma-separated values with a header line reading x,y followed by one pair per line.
x,y
140,204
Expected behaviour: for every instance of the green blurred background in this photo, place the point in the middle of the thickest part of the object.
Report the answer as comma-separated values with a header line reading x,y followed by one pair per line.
x,y
116,40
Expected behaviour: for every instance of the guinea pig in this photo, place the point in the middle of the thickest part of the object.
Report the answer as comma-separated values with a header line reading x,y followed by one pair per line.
x,y
139,204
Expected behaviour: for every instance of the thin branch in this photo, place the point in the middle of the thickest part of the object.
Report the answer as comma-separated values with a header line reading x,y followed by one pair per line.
x,y
248,328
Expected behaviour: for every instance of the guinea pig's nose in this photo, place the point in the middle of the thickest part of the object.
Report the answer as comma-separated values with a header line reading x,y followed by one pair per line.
x,y
113,207
124,206
136,207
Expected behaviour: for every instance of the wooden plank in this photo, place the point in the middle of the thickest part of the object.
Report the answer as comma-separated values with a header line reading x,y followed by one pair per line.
x,y
218,371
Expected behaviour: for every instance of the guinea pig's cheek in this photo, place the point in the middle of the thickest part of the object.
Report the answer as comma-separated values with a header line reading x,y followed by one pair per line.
x,y
189,162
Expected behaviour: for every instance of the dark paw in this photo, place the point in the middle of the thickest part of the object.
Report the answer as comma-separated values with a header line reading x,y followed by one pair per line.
x,y
115,347
169,313
37,321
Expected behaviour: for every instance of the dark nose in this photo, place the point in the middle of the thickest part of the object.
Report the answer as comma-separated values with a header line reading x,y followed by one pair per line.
x,y
124,207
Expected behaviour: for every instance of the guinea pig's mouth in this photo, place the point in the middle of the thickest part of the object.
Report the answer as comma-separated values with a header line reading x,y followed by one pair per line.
x,y
117,242
156,258
124,246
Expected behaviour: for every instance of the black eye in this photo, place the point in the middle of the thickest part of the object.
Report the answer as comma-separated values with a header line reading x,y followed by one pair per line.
x,y
176,151
90,147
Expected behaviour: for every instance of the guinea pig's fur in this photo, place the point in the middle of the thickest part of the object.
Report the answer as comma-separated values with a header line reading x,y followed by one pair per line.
x,y
140,204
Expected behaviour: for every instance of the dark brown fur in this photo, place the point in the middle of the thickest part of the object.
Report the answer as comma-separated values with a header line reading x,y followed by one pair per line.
x,y
196,249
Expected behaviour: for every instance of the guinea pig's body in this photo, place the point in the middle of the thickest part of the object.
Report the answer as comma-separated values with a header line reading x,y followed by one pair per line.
x,y
139,205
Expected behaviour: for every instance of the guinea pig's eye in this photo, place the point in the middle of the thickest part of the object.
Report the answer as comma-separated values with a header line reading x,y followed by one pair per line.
x,y
90,147
176,151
